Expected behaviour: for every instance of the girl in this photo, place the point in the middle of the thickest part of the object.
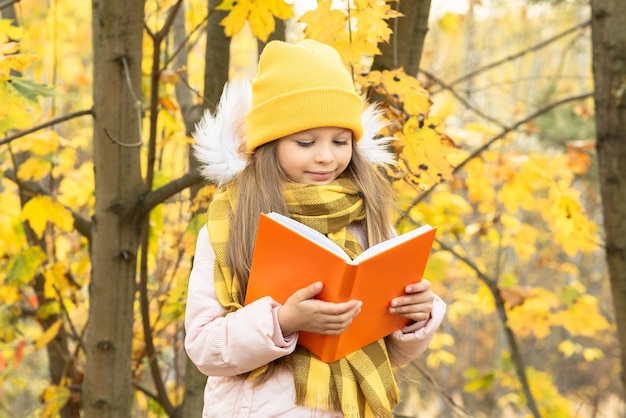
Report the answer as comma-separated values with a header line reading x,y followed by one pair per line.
x,y
310,155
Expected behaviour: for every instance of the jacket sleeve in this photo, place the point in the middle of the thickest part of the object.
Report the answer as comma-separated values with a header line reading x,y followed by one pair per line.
x,y
228,345
411,341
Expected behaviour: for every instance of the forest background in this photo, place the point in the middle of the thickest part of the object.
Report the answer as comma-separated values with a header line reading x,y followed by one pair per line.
x,y
491,105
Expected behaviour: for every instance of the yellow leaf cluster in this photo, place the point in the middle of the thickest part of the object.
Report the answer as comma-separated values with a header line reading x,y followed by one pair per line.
x,y
534,316
259,14
355,30
551,403
582,318
571,228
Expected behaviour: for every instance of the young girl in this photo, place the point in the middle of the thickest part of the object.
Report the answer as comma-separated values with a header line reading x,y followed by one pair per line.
x,y
305,149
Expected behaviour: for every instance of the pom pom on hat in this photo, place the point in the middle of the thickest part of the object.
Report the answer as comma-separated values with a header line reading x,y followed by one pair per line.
x,y
298,87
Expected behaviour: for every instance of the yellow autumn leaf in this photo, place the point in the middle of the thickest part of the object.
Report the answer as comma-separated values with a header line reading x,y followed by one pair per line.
x,y
402,88
16,62
9,31
33,168
9,295
76,188
590,354
48,335
479,184
450,22
582,317
169,76
571,228
14,110
259,14
324,23
40,143
438,357
535,316
56,280
569,348
23,266
54,399
40,210
426,152
49,309
233,23
9,48
441,340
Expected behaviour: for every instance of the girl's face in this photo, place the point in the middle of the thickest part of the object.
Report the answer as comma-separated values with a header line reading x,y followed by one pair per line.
x,y
315,156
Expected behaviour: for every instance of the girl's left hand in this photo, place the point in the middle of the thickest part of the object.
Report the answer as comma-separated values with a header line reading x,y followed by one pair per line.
x,y
417,304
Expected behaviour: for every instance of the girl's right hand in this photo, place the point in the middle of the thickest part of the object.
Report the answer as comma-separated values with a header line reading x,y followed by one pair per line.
x,y
302,312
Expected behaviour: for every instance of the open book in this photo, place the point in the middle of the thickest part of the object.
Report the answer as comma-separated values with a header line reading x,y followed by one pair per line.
x,y
289,255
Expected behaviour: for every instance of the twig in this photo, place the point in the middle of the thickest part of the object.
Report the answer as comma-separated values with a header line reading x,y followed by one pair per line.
x,y
446,398
151,199
52,122
516,355
503,133
521,53
82,224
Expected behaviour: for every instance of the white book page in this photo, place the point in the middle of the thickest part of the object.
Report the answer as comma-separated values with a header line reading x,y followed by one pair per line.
x,y
310,233
393,242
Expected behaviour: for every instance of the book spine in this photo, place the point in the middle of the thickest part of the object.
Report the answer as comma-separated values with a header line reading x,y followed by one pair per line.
x,y
346,291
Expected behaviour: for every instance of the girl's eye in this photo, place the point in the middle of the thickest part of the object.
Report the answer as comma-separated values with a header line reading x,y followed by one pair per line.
x,y
341,141
304,144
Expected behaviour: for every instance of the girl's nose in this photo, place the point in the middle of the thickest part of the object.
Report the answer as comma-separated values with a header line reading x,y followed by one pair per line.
x,y
324,155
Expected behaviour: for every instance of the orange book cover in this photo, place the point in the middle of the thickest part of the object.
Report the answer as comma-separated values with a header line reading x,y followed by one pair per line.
x,y
289,255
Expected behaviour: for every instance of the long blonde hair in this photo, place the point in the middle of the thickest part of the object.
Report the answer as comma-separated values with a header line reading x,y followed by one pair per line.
x,y
260,190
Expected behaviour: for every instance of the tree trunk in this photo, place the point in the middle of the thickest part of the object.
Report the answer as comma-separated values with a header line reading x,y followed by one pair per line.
x,y
407,40
609,73
217,60
117,45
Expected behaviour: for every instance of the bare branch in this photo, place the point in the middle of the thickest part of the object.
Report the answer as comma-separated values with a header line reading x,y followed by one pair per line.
x,y
48,124
521,53
458,409
501,135
516,355
81,223
160,195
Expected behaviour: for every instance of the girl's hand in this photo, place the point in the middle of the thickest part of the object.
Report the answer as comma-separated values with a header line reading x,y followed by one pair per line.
x,y
301,312
417,304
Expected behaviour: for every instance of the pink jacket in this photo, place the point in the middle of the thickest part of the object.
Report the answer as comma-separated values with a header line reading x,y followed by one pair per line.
x,y
223,347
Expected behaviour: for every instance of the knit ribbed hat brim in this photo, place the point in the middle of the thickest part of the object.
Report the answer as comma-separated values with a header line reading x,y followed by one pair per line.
x,y
298,87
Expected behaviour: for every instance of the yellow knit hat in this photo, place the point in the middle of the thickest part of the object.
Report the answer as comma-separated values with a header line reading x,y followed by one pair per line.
x,y
298,87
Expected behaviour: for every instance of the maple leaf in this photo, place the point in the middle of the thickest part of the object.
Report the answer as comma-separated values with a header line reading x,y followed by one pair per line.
x,y
323,23
428,153
516,295
15,62
33,168
40,210
9,31
260,15
401,88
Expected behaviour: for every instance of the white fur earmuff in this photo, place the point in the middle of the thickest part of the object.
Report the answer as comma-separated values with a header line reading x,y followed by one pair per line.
x,y
221,137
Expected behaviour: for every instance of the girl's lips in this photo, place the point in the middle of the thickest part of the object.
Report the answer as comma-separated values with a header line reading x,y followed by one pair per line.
x,y
321,175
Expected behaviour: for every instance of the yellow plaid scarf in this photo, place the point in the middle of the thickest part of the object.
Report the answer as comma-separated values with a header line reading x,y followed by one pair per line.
x,y
360,385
